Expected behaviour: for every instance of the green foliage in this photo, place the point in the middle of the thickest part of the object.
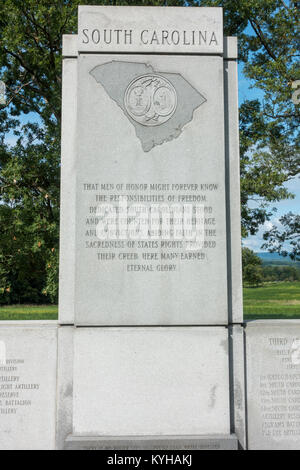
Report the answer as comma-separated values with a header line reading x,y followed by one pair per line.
x,y
251,265
30,59
255,273
263,170
30,65
51,287
280,273
252,275
289,236
28,220
249,257
268,34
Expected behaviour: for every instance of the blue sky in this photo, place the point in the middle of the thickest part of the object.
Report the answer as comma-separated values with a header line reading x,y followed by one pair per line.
x,y
245,92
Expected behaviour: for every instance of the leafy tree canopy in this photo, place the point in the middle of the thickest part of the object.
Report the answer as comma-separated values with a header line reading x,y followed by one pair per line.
x,y
249,257
285,240
252,268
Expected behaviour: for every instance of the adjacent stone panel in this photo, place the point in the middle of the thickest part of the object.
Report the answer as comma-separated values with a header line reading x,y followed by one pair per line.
x,y
273,384
151,381
146,279
27,385
237,384
64,414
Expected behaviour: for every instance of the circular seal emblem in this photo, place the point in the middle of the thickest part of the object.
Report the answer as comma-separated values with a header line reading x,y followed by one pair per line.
x,y
150,100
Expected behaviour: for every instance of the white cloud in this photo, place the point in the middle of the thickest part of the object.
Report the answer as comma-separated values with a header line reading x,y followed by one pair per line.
x,y
253,243
268,225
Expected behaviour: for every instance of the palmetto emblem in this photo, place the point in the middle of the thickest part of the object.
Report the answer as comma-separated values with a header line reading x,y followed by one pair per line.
x,y
150,100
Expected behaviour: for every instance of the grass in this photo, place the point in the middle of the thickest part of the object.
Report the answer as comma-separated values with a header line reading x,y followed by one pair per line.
x,y
275,300
29,312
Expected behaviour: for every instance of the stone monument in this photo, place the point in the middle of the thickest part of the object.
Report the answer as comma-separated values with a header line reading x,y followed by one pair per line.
x,y
150,348
150,269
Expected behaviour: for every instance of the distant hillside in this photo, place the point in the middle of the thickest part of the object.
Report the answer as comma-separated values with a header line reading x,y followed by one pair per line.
x,y
276,260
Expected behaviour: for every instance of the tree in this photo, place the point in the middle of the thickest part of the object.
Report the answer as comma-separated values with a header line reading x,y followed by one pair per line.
x,y
269,133
30,65
252,267
285,240
249,257
253,275
280,273
29,220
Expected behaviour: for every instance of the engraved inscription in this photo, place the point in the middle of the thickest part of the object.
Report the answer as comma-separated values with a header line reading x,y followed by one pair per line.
x,y
27,386
275,398
150,100
142,228
15,392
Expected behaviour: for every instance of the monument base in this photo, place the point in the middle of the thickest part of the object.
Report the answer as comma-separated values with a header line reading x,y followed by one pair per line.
x,y
209,442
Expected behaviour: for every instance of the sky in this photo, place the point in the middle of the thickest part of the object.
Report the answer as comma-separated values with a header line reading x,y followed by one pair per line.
x,y
253,242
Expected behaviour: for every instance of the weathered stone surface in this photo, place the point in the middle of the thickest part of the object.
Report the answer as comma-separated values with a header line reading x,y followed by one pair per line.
x,y
27,385
143,281
153,443
164,30
64,408
69,46
146,86
67,192
237,383
151,381
273,384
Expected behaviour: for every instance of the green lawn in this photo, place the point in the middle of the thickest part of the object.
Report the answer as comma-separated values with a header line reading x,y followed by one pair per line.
x,y
29,312
274,300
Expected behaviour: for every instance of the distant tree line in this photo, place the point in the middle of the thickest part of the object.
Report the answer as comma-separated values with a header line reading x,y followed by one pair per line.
x,y
280,273
255,273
